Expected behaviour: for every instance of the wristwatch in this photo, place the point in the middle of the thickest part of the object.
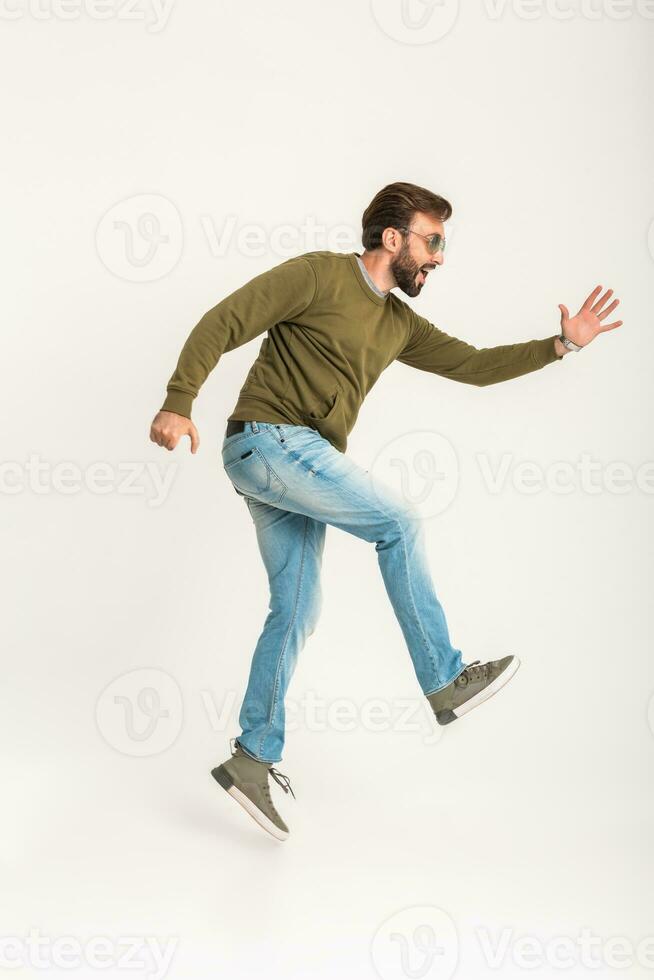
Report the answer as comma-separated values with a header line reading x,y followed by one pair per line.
x,y
570,344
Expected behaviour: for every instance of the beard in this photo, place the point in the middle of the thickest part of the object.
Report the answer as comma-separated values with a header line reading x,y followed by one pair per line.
x,y
405,269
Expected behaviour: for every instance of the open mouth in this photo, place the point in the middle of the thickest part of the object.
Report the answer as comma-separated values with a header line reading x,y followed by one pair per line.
x,y
423,273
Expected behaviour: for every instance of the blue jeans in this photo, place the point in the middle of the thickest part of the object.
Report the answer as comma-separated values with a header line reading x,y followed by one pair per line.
x,y
295,483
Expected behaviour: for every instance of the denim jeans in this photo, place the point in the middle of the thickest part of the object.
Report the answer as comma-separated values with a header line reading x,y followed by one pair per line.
x,y
295,483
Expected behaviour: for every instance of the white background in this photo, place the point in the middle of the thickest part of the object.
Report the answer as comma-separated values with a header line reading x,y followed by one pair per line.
x,y
533,816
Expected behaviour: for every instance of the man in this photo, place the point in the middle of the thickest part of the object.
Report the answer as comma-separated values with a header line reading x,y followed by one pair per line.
x,y
333,326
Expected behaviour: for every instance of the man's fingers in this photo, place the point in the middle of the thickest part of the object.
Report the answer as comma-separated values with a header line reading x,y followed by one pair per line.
x,y
609,309
564,311
610,326
168,428
601,301
165,439
588,302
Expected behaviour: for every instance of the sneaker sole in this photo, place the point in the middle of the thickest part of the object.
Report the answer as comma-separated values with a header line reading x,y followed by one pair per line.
x,y
223,779
489,690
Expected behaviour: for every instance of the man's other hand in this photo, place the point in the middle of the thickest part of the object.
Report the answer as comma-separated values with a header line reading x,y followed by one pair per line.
x,y
587,324
168,428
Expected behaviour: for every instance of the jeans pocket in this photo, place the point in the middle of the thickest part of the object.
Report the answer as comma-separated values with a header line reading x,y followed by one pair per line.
x,y
251,474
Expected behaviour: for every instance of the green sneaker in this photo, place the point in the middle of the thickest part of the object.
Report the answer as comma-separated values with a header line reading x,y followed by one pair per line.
x,y
246,779
475,684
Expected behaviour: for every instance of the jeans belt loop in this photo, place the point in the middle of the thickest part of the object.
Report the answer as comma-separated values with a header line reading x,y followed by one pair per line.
x,y
255,427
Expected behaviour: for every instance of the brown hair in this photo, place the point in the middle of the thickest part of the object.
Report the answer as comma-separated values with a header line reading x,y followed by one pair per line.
x,y
394,206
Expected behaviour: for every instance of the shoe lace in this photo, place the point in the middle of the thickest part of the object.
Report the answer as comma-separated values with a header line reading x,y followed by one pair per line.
x,y
278,776
475,671
282,780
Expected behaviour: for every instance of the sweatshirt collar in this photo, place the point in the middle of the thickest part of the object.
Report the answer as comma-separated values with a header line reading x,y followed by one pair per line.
x,y
370,293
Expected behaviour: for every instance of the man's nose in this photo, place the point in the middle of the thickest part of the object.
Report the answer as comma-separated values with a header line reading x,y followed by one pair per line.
x,y
439,258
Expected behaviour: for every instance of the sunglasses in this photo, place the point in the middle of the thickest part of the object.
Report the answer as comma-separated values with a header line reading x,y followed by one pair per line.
x,y
435,243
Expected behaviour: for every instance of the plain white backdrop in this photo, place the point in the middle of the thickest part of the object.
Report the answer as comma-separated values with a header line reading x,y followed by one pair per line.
x,y
156,157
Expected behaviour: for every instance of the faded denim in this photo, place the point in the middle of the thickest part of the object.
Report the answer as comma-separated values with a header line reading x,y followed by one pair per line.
x,y
295,483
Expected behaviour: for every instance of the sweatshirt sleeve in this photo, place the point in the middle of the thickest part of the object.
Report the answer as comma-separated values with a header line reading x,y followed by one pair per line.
x,y
269,298
430,349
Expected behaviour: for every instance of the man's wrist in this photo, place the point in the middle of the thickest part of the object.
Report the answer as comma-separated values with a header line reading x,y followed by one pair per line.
x,y
560,348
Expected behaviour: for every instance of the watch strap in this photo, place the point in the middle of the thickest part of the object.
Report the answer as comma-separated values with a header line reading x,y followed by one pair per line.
x,y
570,344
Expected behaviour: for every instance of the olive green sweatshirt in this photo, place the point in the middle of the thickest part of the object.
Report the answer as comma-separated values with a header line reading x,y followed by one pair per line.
x,y
329,337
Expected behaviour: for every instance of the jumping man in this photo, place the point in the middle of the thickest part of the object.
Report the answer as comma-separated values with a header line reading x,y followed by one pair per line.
x,y
333,325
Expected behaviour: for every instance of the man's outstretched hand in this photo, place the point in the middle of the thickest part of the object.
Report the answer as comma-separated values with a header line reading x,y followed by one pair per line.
x,y
586,325
168,428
